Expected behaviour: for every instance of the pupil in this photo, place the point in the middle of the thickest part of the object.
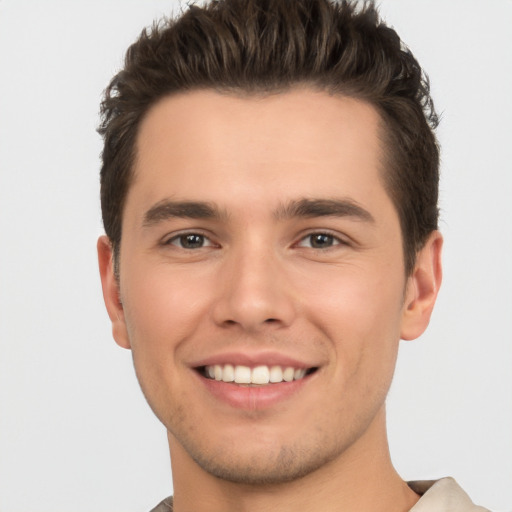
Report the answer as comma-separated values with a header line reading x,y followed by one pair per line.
x,y
192,241
321,240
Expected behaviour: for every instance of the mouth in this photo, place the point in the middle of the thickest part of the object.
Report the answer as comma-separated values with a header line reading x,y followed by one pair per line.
x,y
255,382
261,375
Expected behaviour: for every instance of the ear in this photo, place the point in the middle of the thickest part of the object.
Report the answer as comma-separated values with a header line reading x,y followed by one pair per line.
x,y
422,288
111,294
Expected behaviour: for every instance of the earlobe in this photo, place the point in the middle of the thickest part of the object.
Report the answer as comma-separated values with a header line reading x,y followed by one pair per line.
x,y
422,288
111,295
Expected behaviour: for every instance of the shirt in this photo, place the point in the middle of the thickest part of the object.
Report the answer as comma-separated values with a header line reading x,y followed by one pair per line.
x,y
443,495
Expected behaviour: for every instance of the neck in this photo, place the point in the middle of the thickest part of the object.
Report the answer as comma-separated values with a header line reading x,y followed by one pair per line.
x,y
362,478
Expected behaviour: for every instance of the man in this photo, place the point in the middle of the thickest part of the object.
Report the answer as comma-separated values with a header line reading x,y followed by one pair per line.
x,y
269,195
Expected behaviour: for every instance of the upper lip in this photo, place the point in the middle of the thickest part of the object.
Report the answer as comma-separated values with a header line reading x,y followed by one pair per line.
x,y
267,358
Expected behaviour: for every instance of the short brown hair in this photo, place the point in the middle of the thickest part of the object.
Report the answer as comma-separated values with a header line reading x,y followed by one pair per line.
x,y
262,46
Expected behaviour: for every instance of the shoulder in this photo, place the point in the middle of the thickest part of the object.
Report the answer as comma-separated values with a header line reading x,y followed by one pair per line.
x,y
163,506
443,495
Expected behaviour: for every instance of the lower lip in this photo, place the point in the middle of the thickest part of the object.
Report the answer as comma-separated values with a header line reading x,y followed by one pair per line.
x,y
253,398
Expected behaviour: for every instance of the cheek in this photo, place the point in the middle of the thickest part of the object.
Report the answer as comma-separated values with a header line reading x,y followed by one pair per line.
x,y
162,309
162,312
359,310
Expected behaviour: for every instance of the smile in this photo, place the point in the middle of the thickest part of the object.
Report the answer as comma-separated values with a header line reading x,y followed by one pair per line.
x,y
259,375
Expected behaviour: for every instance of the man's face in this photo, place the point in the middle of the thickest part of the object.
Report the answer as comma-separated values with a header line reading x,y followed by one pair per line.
x,y
259,243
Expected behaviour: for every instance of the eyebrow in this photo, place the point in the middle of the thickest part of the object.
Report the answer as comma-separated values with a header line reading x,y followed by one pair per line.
x,y
324,208
167,209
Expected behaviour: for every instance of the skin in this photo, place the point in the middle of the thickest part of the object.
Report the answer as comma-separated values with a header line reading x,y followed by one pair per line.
x,y
258,282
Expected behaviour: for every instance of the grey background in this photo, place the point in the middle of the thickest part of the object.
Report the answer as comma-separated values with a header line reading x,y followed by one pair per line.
x,y
75,432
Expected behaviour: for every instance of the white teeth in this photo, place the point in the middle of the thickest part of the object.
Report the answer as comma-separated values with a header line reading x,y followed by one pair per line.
x,y
242,375
258,375
300,373
276,374
228,374
288,374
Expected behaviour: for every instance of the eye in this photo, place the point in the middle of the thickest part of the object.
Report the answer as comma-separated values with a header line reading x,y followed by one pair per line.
x,y
319,241
190,241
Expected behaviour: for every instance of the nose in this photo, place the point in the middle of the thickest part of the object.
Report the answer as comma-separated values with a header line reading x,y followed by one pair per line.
x,y
253,291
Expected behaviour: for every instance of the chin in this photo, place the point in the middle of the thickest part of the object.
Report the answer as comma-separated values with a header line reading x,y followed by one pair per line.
x,y
265,466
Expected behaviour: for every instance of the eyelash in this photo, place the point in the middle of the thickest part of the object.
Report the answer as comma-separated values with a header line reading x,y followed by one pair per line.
x,y
178,240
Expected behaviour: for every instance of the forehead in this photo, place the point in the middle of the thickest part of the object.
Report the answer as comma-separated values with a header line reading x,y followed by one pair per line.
x,y
264,139
288,119
250,155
